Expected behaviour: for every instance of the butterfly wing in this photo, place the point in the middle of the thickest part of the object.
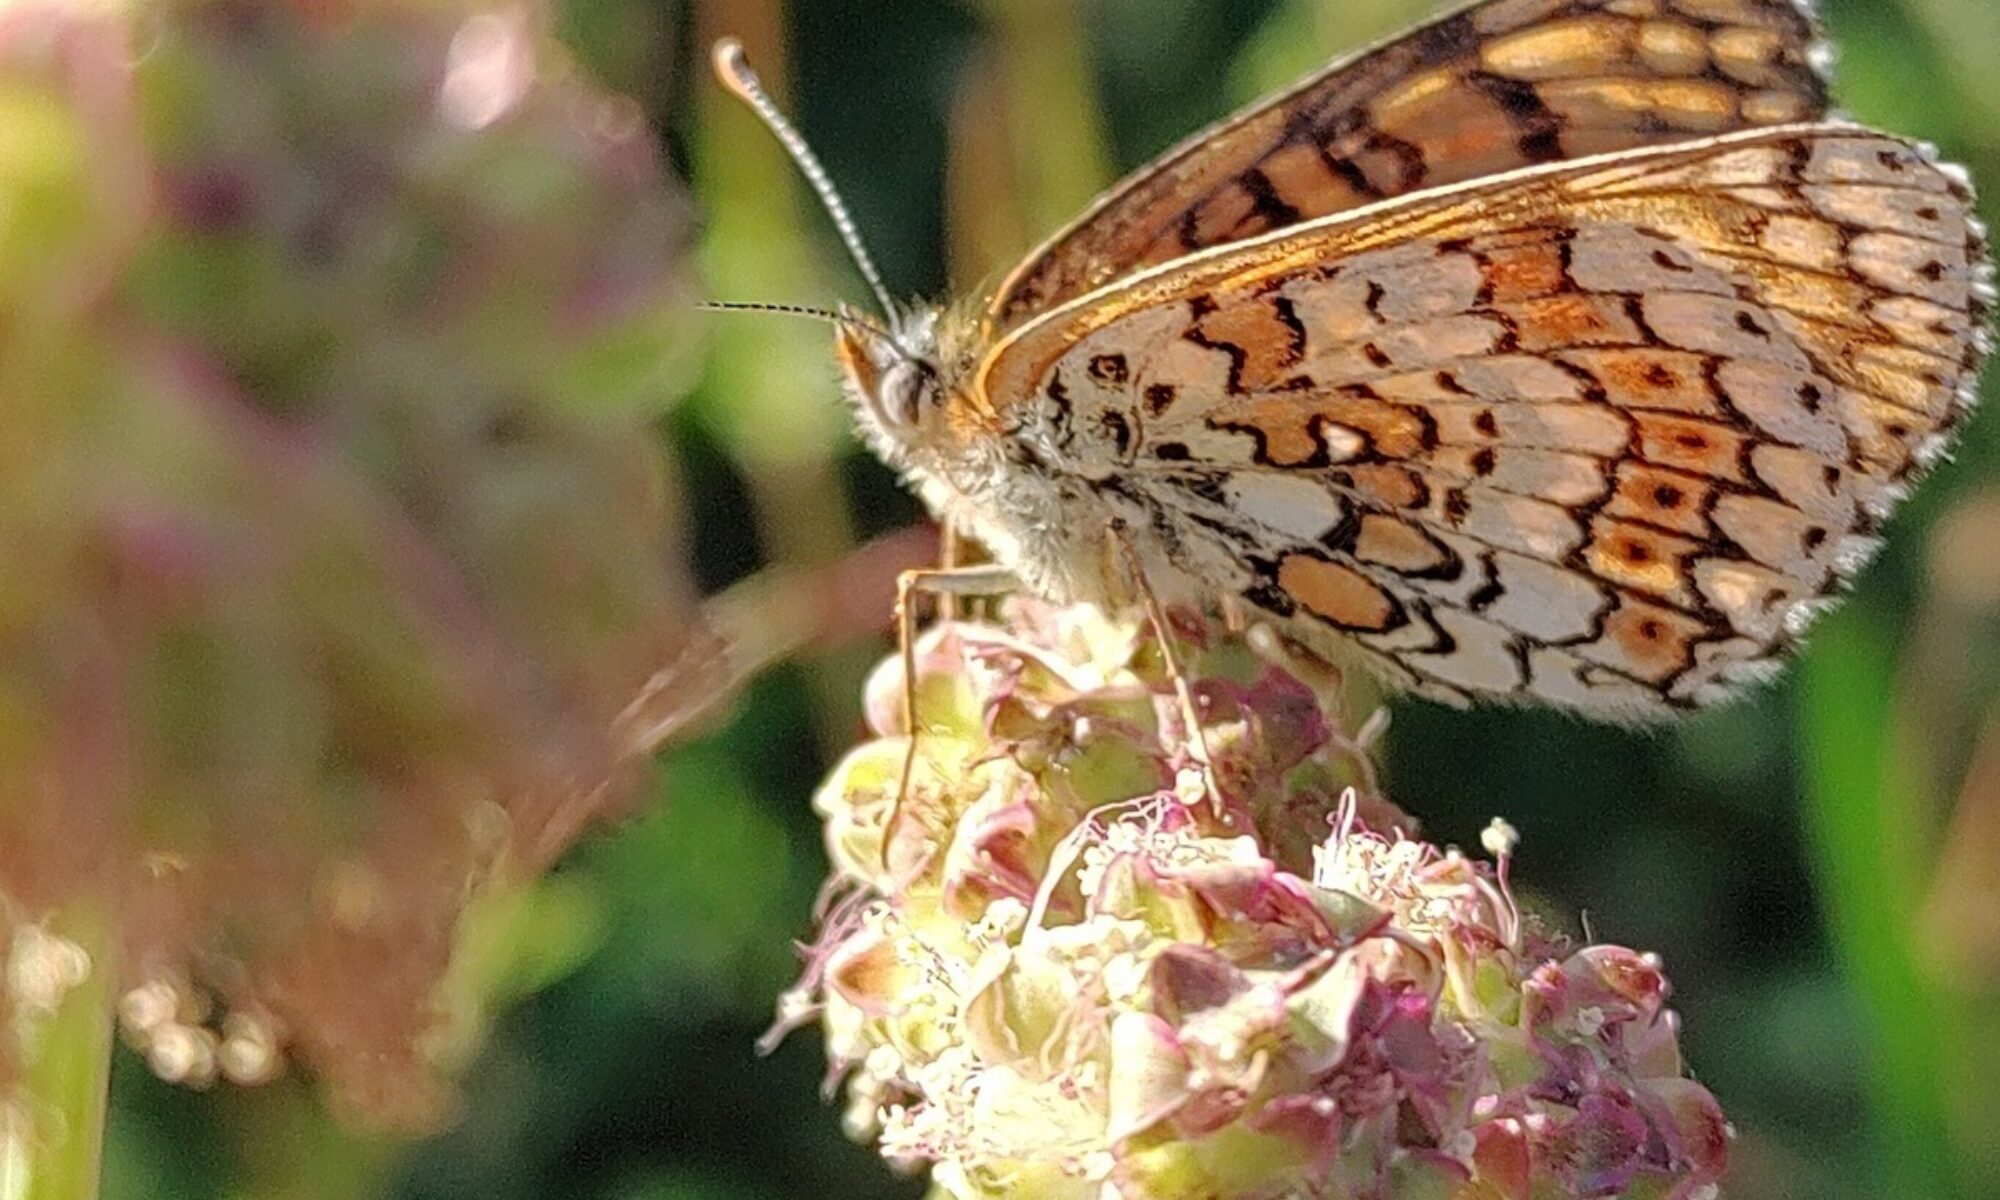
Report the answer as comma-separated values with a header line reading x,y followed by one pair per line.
x,y
1490,88
1601,435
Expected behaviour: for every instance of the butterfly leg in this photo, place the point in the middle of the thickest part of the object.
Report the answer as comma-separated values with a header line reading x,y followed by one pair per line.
x,y
951,548
1234,619
1156,616
947,583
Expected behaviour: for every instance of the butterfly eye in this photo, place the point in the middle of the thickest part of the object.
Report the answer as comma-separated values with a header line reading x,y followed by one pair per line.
x,y
908,389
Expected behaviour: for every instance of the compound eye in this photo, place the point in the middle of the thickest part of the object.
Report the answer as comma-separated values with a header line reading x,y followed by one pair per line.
x,y
907,389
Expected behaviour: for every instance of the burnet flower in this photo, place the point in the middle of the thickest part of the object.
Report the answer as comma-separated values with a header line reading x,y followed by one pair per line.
x,y
1062,971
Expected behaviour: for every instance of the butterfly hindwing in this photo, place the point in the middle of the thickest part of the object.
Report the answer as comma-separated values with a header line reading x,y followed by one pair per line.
x,y
1600,435
1493,87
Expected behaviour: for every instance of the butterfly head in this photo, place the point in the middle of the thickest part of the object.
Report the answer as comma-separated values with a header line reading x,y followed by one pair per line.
x,y
891,362
894,378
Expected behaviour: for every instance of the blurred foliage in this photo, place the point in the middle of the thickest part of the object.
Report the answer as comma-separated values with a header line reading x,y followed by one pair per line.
x,y
334,542
1819,866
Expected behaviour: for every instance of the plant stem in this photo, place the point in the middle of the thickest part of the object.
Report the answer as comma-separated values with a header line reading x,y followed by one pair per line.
x,y
63,978
1868,820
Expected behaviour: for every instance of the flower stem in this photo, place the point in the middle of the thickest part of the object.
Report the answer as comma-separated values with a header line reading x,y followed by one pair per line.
x,y
1868,820
63,980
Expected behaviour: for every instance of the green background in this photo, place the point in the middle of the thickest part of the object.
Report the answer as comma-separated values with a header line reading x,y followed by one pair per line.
x,y
1819,866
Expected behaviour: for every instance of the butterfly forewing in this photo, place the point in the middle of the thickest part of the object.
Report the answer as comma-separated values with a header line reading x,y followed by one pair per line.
x,y
1488,89
1600,435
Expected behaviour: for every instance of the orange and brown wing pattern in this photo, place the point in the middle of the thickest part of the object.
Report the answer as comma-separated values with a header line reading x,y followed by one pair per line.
x,y
1601,435
1491,88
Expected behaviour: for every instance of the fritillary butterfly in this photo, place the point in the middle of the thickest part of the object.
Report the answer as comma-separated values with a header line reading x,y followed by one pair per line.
x,y
1560,351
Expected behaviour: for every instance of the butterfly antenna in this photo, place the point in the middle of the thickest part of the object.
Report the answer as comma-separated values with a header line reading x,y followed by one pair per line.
x,y
797,310
732,67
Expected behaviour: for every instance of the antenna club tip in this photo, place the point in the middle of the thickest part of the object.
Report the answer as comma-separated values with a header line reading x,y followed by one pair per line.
x,y
732,65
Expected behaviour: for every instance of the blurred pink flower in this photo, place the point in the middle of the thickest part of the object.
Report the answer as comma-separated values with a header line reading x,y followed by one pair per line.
x,y
336,539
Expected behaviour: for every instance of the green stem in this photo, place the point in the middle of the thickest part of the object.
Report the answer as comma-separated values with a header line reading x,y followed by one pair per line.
x,y
1869,819
53,1131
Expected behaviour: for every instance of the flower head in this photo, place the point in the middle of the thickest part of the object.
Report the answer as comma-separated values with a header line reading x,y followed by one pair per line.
x,y
1076,976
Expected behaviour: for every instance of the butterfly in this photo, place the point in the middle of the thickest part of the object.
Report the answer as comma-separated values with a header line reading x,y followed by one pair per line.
x,y
1562,352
